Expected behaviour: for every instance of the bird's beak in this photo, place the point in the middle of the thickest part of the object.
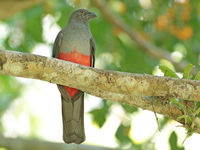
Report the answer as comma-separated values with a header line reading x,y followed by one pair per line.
x,y
91,15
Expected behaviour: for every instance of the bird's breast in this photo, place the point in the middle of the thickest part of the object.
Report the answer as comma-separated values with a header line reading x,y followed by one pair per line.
x,y
76,57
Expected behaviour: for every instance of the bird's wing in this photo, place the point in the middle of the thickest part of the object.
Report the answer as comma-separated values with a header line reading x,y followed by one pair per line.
x,y
57,44
92,52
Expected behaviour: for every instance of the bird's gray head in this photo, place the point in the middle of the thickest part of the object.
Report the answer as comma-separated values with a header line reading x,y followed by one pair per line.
x,y
82,15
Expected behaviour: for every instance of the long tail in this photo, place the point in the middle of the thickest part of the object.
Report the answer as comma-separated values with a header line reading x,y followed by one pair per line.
x,y
73,120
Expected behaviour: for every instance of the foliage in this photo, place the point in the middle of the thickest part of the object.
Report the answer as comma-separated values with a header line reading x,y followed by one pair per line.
x,y
173,142
167,71
191,114
99,114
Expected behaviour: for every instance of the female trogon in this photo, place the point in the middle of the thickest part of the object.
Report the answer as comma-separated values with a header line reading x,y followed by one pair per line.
x,y
74,43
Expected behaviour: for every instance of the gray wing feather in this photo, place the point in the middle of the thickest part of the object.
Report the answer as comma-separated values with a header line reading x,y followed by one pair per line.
x,y
92,52
57,44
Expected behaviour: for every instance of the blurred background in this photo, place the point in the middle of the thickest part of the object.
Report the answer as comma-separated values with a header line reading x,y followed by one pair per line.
x,y
31,109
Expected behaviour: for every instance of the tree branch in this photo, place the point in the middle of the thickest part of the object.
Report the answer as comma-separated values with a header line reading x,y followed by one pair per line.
x,y
147,47
96,81
128,88
33,144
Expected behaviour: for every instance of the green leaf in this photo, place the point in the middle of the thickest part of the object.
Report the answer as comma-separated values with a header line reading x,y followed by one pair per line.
x,y
181,117
186,117
198,105
177,103
122,134
197,108
186,73
173,142
197,77
162,122
129,109
197,111
167,71
99,115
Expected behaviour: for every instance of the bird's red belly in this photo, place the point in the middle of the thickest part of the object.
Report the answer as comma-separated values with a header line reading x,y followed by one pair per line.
x,y
78,58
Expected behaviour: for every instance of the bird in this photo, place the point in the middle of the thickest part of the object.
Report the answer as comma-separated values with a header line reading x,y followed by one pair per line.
x,y
75,43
